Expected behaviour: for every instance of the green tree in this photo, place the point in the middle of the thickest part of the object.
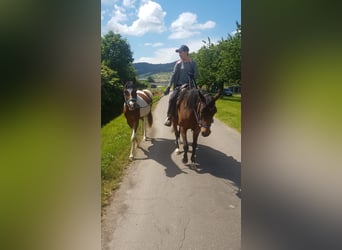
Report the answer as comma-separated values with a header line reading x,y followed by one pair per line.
x,y
150,79
116,68
221,63
117,55
111,94
207,62
230,58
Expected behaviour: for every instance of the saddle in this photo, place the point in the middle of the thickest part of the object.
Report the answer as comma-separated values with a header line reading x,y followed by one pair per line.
x,y
184,86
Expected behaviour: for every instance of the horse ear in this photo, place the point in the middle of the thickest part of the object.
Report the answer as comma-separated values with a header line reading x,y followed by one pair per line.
x,y
201,96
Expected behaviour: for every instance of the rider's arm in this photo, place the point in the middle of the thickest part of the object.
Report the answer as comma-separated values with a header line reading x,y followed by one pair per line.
x,y
195,69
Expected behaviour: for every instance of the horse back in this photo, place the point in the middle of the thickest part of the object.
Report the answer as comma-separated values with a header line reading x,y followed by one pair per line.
x,y
145,97
149,94
144,100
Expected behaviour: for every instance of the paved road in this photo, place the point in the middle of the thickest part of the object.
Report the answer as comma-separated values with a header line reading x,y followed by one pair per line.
x,y
163,204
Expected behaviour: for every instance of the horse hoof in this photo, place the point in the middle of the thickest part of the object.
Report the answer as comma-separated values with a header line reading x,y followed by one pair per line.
x,y
193,166
177,151
131,158
184,160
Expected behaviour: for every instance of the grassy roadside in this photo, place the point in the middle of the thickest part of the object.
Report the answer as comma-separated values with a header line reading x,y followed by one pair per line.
x,y
115,147
229,111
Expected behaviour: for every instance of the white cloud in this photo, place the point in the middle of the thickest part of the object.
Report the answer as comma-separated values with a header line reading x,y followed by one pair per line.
x,y
186,25
119,14
195,45
150,19
233,33
164,55
128,3
154,44
168,55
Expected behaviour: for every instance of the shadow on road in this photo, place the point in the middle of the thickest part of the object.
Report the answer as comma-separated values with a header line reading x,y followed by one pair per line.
x,y
218,164
161,151
209,161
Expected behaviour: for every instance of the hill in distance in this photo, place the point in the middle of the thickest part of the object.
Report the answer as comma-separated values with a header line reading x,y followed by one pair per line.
x,y
146,69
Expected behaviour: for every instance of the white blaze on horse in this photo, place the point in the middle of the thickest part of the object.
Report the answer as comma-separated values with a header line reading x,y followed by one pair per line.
x,y
137,105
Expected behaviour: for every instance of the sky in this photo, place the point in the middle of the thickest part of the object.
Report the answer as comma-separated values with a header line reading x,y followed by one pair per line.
x,y
154,29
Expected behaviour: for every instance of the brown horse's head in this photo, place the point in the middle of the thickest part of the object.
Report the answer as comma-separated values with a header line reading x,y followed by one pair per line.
x,y
206,110
130,94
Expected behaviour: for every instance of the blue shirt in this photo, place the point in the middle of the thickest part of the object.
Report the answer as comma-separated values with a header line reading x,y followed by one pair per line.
x,y
180,74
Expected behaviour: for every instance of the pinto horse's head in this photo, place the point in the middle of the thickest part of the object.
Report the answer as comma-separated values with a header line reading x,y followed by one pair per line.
x,y
130,94
206,111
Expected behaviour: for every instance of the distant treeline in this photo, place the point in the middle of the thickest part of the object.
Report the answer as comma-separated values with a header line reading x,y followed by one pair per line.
x,y
144,68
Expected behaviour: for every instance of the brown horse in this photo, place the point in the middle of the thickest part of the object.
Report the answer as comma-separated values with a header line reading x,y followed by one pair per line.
x,y
195,110
137,105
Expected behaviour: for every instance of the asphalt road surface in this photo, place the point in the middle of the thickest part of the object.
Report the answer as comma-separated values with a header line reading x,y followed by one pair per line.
x,y
164,204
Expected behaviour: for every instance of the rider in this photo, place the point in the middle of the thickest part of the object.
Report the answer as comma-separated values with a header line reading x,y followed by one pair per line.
x,y
183,70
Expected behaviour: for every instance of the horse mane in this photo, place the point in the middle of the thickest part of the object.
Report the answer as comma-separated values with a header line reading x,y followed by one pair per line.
x,y
192,97
130,85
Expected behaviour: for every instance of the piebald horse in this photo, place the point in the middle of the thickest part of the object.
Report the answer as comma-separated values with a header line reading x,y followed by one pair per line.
x,y
137,105
195,110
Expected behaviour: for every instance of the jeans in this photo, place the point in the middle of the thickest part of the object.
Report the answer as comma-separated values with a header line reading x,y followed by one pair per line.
x,y
172,102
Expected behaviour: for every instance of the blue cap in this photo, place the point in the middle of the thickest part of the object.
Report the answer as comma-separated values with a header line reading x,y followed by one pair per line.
x,y
183,48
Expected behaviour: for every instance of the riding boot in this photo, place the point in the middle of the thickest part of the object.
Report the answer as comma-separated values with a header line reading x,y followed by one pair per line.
x,y
172,106
169,115
167,121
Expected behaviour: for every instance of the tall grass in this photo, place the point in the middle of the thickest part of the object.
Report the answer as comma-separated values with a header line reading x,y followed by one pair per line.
x,y
115,146
229,111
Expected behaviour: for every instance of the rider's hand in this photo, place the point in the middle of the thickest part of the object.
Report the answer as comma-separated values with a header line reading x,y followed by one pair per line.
x,y
167,91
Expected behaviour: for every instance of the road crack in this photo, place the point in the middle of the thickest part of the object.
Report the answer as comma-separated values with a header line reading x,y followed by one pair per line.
x,y
184,233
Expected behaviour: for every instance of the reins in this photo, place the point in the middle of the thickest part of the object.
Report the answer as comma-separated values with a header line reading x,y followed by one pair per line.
x,y
198,116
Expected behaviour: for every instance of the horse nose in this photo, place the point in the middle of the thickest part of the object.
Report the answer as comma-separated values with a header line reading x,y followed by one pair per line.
x,y
205,132
131,104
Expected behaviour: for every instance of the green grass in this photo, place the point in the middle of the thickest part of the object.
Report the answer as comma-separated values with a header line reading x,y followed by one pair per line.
x,y
115,146
229,111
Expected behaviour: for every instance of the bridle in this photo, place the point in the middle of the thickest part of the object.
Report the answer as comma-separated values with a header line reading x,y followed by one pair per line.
x,y
198,115
132,99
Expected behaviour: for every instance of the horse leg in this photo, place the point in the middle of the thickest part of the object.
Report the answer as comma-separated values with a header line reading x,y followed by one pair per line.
x,y
194,146
176,131
143,126
133,141
185,144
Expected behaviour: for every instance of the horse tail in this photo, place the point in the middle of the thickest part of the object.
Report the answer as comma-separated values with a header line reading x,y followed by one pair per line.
x,y
150,119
